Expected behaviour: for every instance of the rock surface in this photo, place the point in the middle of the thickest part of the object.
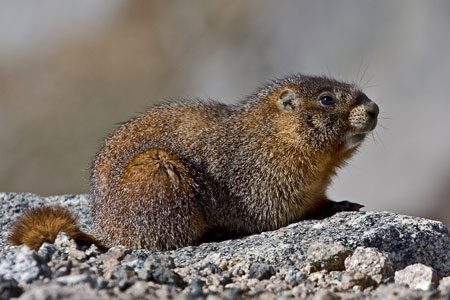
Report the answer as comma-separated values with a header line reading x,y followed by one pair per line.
x,y
352,255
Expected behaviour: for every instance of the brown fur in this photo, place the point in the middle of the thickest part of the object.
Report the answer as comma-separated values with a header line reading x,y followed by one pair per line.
x,y
183,172
42,224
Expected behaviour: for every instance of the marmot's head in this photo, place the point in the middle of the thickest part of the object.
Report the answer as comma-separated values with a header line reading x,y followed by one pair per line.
x,y
326,112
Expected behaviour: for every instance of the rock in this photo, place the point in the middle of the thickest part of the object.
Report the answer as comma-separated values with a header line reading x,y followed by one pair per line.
x,y
356,278
325,295
24,265
46,251
92,251
125,283
261,271
294,277
232,293
300,260
371,262
210,268
153,263
123,273
394,292
66,244
157,261
328,257
112,258
158,268
114,253
76,279
444,285
64,241
138,290
9,288
197,284
57,292
166,276
403,239
62,269
417,276
225,278
144,274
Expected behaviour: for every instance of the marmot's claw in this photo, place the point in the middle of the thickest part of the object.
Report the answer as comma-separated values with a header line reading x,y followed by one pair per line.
x,y
347,206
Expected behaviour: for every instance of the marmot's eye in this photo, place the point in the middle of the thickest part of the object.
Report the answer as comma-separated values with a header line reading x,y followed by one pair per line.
x,y
327,100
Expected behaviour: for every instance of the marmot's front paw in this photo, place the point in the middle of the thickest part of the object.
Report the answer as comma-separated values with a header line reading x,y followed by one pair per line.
x,y
329,208
346,206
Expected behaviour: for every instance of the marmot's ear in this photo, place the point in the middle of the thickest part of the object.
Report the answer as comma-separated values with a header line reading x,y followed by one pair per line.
x,y
289,99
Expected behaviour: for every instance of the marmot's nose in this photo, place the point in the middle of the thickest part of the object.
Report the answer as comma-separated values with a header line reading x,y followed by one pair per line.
x,y
372,109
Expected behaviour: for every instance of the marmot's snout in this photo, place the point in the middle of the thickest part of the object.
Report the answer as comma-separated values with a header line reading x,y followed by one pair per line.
x,y
372,110
363,118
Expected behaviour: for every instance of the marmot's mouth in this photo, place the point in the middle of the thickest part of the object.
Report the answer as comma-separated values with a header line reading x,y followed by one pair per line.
x,y
354,139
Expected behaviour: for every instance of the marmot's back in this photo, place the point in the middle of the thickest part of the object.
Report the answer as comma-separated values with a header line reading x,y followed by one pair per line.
x,y
174,127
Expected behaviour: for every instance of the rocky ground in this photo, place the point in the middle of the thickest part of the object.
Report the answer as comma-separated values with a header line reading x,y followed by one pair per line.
x,y
357,255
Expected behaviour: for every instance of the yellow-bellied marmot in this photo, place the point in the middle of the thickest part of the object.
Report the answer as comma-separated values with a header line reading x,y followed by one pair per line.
x,y
182,172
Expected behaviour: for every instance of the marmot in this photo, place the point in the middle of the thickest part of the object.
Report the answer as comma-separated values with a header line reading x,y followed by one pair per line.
x,y
184,171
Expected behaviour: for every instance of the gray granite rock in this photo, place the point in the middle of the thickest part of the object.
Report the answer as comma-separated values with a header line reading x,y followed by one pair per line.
x,y
24,265
303,260
9,288
403,239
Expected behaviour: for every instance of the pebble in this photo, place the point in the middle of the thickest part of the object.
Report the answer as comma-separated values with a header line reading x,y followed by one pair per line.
x,y
225,278
232,293
9,288
197,284
55,291
371,262
418,277
295,277
356,278
261,271
328,257
444,285
62,269
47,250
325,295
75,279
166,276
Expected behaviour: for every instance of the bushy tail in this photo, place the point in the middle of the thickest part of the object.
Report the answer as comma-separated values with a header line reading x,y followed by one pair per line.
x,y
42,224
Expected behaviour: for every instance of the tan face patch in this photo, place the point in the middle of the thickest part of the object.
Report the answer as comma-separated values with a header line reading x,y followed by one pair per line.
x,y
359,119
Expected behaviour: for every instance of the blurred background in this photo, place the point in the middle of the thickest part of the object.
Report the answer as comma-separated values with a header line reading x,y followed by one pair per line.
x,y
71,70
